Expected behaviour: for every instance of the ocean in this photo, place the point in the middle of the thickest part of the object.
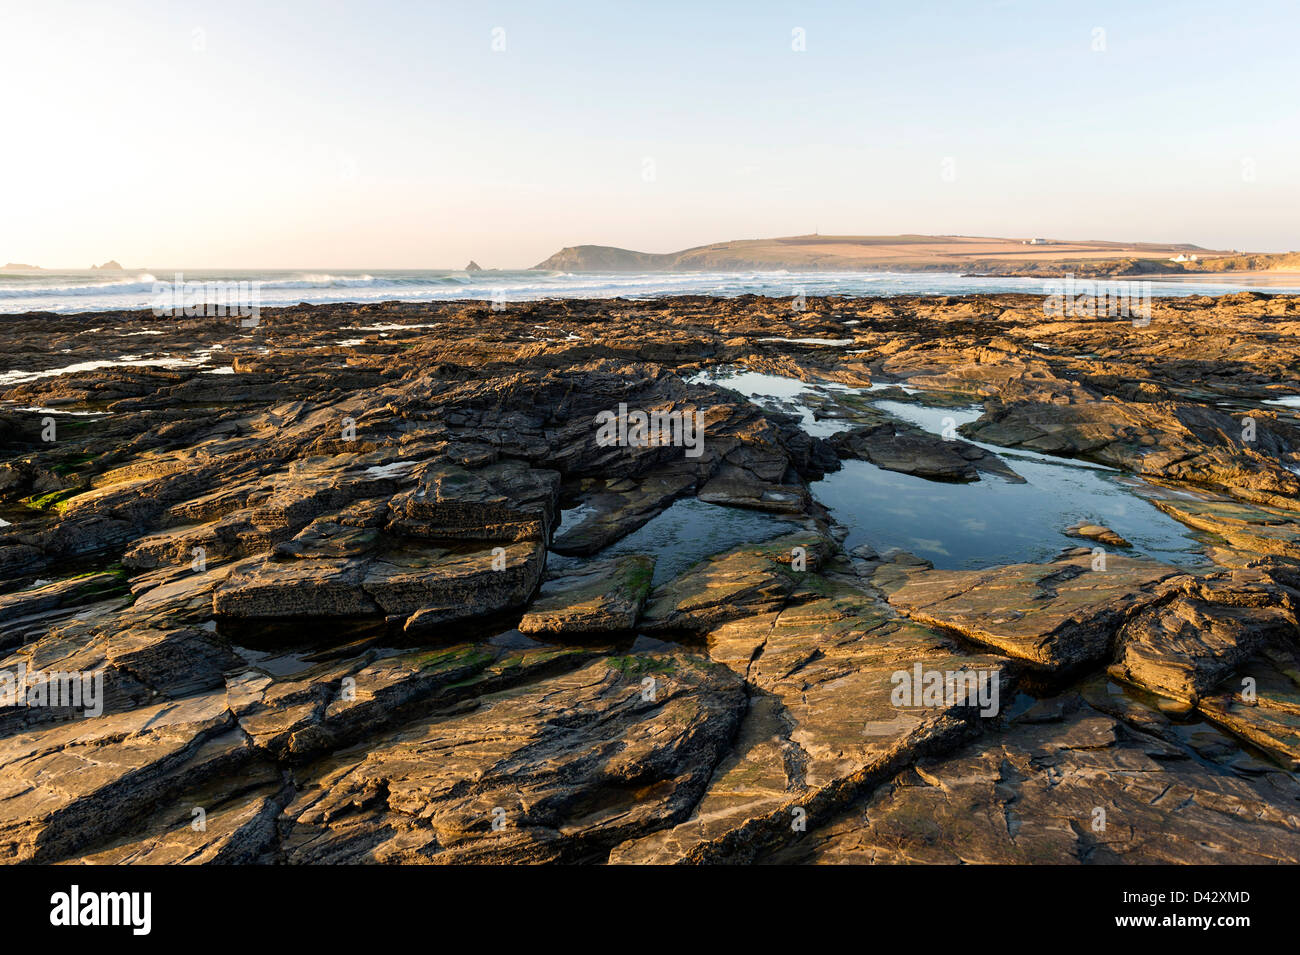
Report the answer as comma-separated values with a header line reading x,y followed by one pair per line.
x,y
90,291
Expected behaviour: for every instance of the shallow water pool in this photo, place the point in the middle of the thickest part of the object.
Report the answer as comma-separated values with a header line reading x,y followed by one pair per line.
x,y
994,521
983,523
686,533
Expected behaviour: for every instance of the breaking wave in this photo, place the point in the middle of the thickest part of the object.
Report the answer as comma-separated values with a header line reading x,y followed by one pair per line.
x,y
87,292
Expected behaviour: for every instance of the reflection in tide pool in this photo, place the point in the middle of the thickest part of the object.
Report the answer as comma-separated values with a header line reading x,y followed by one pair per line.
x,y
939,420
776,393
981,524
992,521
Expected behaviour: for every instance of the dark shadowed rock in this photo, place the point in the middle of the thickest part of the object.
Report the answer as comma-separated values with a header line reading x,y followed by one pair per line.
x,y
897,447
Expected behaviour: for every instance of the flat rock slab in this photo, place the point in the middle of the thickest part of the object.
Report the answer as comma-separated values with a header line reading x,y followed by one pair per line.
x,y
136,666
910,450
58,593
824,718
559,770
1057,615
1098,533
440,584
27,613
602,596
505,501
63,786
467,582
1068,786
738,583
1258,530
326,587
240,817
329,705
736,486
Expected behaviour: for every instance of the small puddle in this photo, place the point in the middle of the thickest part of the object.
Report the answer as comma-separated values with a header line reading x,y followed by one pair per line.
x,y
16,377
777,393
932,419
686,533
1212,743
36,409
887,385
278,665
831,342
11,514
389,327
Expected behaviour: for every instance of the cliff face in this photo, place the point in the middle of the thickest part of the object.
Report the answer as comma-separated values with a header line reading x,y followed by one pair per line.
x,y
1274,262
1262,262
732,256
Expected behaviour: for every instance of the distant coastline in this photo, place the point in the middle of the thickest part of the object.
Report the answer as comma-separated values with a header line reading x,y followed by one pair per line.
x,y
966,255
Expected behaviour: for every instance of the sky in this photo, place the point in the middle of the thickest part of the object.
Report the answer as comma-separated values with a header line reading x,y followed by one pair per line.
x,y
421,135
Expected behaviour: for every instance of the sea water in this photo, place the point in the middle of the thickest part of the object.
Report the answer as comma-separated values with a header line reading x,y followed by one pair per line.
x,y
89,291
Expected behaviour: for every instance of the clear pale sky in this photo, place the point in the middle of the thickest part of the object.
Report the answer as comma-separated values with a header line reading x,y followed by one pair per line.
x,y
393,135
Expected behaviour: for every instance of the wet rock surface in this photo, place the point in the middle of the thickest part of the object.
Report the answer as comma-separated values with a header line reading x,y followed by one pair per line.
x,y
1068,786
912,451
603,597
1058,616
366,583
